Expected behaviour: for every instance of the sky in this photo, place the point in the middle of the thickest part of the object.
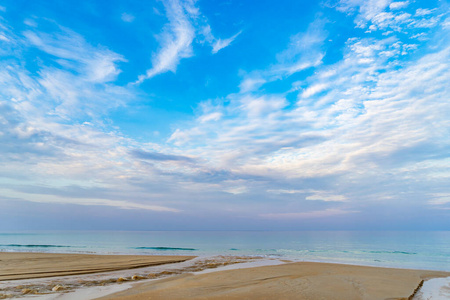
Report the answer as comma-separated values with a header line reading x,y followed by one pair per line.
x,y
225,115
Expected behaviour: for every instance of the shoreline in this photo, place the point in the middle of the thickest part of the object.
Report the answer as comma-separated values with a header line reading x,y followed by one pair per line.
x,y
158,272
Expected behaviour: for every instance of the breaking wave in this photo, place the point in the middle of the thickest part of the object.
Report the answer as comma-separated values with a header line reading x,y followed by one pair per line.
x,y
164,248
35,246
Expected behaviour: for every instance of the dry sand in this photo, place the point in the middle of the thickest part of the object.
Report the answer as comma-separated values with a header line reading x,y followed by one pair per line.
x,y
305,280
39,265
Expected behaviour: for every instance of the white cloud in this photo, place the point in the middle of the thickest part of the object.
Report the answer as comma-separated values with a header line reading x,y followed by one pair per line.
x,y
178,35
366,9
283,191
426,22
424,11
373,14
237,190
353,131
30,22
121,204
398,5
79,83
3,38
215,116
312,90
176,38
440,199
303,52
71,51
308,215
315,195
251,84
216,43
261,106
127,17
327,197
446,23
220,44
304,49
52,129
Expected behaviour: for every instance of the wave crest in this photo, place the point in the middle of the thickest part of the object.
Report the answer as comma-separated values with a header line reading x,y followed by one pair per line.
x,y
165,248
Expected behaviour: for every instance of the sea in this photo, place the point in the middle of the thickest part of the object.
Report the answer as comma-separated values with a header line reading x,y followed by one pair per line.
x,y
399,249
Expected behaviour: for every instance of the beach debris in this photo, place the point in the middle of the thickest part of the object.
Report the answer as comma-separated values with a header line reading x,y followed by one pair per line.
x,y
416,290
26,291
169,272
137,277
121,279
104,282
57,288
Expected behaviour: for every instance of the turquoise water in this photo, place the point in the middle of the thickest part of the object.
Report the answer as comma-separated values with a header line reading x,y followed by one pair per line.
x,y
405,249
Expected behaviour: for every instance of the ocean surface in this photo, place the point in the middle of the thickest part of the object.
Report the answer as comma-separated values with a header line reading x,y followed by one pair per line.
x,y
403,249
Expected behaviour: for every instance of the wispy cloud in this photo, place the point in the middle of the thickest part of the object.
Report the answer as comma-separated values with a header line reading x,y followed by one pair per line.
x,y
314,195
127,17
387,15
220,44
327,197
308,215
50,120
159,156
185,23
71,51
304,51
398,5
176,38
86,201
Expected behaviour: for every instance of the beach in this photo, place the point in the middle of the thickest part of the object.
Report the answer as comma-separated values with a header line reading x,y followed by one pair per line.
x,y
39,265
304,280
286,280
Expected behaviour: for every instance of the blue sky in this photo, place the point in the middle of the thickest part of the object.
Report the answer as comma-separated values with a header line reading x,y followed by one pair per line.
x,y
166,115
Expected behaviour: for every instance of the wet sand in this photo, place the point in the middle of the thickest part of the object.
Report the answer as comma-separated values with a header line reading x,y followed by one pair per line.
x,y
17,265
304,280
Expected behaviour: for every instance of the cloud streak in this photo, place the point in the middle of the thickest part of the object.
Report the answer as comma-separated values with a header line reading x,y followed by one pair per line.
x,y
159,156
303,52
176,38
309,215
219,44
185,23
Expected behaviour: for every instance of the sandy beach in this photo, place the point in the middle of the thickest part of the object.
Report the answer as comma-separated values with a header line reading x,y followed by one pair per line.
x,y
298,280
304,280
21,265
